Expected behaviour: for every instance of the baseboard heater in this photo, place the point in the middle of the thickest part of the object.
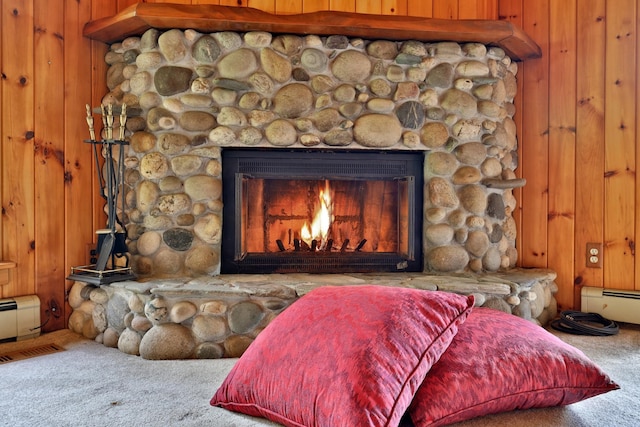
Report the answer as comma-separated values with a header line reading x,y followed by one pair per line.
x,y
621,306
19,317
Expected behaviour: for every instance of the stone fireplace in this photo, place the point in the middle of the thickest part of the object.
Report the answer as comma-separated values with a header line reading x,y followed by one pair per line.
x,y
191,96
237,137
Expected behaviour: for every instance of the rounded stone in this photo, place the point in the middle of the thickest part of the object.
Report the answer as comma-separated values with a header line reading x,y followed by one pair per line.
x,y
170,80
447,258
167,262
377,130
258,38
434,135
141,142
459,103
293,100
205,49
495,206
209,350
222,135
172,204
185,165
168,341
338,138
477,243
314,60
441,163
197,121
411,114
129,342
155,116
238,64
287,44
209,228
182,311
492,260
473,199
471,153
442,193
149,242
326,119
351,66
381,105
179,239
236,345
491,167
147,194
383,49
277,67
489,109
171,144
441,75
228,40
244,317
281,133
202,260
140,82
466,175
203,187
472,69
209,328
439,234
172,44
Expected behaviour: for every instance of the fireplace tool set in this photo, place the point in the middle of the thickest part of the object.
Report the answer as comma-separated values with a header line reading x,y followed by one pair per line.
x,y
111,249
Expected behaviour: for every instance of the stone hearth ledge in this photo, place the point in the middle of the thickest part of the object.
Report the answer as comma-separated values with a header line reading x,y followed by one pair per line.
x,y
218,317
139,17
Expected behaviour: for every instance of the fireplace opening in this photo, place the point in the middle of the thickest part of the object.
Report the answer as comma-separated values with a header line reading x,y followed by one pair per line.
x,y
321,211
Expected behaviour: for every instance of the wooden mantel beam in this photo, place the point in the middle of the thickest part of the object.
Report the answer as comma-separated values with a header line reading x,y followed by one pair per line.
x,y
139,17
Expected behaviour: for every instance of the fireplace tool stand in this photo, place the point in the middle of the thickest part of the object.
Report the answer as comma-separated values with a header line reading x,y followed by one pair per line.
x,y
111,248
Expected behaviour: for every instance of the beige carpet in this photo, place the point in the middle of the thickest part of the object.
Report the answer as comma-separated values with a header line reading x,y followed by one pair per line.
x,y
88,384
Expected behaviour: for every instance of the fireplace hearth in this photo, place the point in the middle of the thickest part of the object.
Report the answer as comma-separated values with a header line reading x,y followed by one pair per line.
x,y
321,211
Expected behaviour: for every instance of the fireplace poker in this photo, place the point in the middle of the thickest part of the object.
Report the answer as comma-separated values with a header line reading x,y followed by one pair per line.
x,y
110,121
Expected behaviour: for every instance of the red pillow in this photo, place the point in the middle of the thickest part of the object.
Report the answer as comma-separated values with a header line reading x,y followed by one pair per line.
x,y
344,356
499,362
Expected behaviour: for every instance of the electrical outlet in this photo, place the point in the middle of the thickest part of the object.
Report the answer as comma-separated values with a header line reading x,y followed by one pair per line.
x,y
594,255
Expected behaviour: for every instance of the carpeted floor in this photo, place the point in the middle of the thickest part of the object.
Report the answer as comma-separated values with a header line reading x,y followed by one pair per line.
x,y
88,384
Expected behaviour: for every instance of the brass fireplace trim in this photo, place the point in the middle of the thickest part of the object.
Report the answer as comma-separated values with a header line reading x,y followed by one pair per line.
x,y
139,17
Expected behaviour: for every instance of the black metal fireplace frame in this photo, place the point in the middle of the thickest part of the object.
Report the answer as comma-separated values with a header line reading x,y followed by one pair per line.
x,y
319,164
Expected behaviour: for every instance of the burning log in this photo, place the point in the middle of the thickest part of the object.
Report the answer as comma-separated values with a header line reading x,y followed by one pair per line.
x,y
296,244
314,245
304,245
329,245
343,248
280,245
360,245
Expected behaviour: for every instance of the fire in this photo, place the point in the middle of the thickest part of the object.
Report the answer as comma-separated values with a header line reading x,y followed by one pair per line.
x,y
322,219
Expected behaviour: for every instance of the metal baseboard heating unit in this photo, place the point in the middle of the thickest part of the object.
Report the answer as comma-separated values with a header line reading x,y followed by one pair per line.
x,y
621,306
19,317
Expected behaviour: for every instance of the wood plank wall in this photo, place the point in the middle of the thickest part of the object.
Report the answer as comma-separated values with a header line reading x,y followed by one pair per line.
x,y
578,118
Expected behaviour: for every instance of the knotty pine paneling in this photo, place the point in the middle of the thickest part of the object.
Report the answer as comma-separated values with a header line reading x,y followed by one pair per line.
x,y
577,115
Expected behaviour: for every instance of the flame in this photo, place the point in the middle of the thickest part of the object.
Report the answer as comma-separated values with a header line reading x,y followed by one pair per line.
x,y
322,219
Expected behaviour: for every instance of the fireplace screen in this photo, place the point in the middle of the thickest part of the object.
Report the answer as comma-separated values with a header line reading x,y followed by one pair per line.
x,y
320,211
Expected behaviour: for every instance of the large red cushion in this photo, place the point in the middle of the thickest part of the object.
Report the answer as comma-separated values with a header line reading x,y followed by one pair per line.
x,y
499,362
344,356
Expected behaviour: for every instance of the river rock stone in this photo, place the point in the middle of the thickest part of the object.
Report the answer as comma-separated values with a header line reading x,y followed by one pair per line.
x,y
377,130
202,187
411,115
277,67
170,80
473,199
447,258
206,50
434,135
460,103
244,317
167,341
238,64
293,100
314,60
351,66
179,239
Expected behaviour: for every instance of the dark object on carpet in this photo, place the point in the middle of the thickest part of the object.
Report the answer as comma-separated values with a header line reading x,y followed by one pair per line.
x,y
576,322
